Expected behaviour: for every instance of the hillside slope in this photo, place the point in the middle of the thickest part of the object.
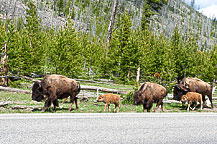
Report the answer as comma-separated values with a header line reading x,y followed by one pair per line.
x,y
93,16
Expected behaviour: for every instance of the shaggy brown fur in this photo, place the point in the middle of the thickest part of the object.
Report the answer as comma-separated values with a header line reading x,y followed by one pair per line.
x,y
149,93
108,99
54,87
193,85
191,98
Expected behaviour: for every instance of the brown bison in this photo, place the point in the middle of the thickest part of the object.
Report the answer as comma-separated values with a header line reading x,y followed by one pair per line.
x,y
54,87
149,93
108,99
191,98
193,85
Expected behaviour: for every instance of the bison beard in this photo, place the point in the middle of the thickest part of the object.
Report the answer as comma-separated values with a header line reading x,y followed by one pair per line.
x,y
37,92
54,87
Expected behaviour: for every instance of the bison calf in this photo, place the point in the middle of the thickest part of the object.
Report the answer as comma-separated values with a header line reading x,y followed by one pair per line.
x,y
108,99
191,98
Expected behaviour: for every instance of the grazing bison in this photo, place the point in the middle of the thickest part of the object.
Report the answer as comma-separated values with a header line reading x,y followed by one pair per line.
x,y
191,98
108,99
193,85
149,93
54,87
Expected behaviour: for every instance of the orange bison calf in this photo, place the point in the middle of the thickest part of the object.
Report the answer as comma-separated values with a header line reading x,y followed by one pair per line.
x,y
191,98
108,99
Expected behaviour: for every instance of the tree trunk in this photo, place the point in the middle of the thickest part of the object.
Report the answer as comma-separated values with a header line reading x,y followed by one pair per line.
x,y
111,25
138,74
15,90
3,69
83,87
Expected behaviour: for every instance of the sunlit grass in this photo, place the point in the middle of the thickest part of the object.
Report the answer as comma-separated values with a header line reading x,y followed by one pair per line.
x,y
91,106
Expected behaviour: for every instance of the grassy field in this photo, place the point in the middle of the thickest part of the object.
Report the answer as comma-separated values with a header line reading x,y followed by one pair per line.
x,y
22,103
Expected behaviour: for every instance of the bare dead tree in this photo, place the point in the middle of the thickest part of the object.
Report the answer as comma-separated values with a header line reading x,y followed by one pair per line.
x,y
138,74
3,69
111,24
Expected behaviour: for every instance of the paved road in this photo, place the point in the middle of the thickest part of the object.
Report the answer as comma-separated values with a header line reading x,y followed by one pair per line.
x,y
109,128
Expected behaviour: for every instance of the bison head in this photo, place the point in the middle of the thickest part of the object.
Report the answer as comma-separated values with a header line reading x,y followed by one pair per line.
x,y
137,97
37,92
178,91
183,98
100,98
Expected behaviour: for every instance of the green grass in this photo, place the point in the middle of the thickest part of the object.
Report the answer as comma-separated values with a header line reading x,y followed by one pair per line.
x,y
110,85
84,107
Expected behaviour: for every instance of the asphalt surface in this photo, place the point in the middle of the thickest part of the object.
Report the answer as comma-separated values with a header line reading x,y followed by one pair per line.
x,y
109,128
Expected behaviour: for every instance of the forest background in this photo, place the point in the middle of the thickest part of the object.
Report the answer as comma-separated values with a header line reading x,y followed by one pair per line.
x,y
139,43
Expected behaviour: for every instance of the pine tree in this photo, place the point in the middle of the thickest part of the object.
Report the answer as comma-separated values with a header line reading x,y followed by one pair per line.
x,y
124,49
64,54
177,54
34,42
13,50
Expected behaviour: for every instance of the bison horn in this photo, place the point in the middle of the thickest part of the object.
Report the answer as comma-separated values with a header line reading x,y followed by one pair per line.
x,y
39,84
177,86
183,88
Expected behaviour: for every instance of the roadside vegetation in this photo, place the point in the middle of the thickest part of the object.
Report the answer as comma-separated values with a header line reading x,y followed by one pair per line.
x,y
135,55
23,103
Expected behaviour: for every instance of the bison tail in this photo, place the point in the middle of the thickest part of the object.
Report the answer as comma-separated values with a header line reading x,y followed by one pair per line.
x,y
166,93
79,87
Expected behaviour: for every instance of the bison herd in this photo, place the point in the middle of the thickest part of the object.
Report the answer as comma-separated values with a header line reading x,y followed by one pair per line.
x,y
54,87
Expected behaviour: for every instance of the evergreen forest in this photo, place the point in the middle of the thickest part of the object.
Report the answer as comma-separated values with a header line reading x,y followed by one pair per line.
x,y
83,52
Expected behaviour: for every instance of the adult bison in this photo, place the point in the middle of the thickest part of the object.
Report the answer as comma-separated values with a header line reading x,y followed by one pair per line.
x,y
54,87
149,93
192,85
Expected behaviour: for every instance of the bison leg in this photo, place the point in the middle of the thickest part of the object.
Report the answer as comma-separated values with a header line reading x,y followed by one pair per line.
x,y
162,106
148,109
144,106
204,100
183,105
71,101
149,105
76,102
55,104
64,100
160,102
201,105
194,107
109,107
115,108
117,105
118,108
46,105
105,107
210,99
189,105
